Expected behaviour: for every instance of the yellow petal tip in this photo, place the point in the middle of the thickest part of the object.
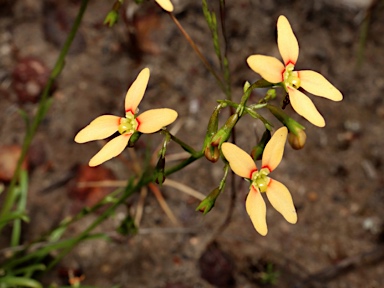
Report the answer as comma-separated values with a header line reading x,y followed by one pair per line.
x,y
166,5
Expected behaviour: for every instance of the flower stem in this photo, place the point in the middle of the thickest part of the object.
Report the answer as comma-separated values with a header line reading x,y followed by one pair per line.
x,y
199,54
183,145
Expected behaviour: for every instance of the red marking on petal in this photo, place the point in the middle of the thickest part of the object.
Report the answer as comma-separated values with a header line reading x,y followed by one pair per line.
x,y
290,62
138,124
267,167
119,121
130,110
282,75
251,173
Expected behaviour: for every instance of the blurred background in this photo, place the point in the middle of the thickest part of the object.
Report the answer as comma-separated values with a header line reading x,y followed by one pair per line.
x,y
335,180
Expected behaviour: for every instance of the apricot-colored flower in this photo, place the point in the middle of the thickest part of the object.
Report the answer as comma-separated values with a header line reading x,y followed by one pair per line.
x,y
278,195
104,126
165,4
272,70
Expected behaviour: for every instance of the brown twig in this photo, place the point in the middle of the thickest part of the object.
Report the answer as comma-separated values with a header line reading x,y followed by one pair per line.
x,y
156,191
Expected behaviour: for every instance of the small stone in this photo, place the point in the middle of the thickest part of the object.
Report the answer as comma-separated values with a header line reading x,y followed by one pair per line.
x,y
29,79
312,196
9,155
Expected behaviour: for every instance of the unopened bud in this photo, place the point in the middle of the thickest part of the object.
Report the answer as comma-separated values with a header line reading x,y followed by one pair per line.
x,y
296,136
113,15
297,141
111,18
127,226
212,126
257,151
159,174
246,86
207,204
212,153
223,134
135,136
271,94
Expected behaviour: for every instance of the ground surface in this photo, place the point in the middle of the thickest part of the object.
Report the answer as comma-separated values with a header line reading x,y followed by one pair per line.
x,y
336,180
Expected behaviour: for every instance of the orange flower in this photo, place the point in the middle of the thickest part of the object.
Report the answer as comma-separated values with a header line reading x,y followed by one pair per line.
x,y
165,4
244,166
272,70
104,126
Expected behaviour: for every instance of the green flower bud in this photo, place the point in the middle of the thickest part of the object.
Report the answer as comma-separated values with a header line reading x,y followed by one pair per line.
x,y
111,18
257,151
271,94
207,204
223,134
246,86
212,125
212,153
135,136
296,136
297,141
127,226
159,174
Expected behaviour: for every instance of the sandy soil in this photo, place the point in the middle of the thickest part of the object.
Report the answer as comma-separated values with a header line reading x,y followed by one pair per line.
x,y
335,180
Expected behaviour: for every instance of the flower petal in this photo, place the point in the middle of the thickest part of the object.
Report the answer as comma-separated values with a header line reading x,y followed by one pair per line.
x,y
136,92
281,200
316,84
110,150
153,120
286,41
273,152
305,107
100,128
270,68
257,211
241,163
165,4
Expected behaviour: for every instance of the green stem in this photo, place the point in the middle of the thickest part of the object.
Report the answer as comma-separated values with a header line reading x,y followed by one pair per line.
x,y
41,111
199,54
183,145
16,231
68,244
128,192
183,164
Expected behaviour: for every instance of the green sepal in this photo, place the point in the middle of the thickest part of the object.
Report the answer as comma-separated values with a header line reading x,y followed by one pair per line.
x,y
257,151
135,136
207,204
159,172
223,134
127,226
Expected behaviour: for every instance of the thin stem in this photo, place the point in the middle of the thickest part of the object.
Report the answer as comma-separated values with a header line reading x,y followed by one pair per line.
x,y
199,54
227,74
183,164
42,110
183,145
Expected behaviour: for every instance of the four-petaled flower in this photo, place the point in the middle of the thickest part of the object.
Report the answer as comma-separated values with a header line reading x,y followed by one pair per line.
x,y
165,4
272,70
278,195
104,126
